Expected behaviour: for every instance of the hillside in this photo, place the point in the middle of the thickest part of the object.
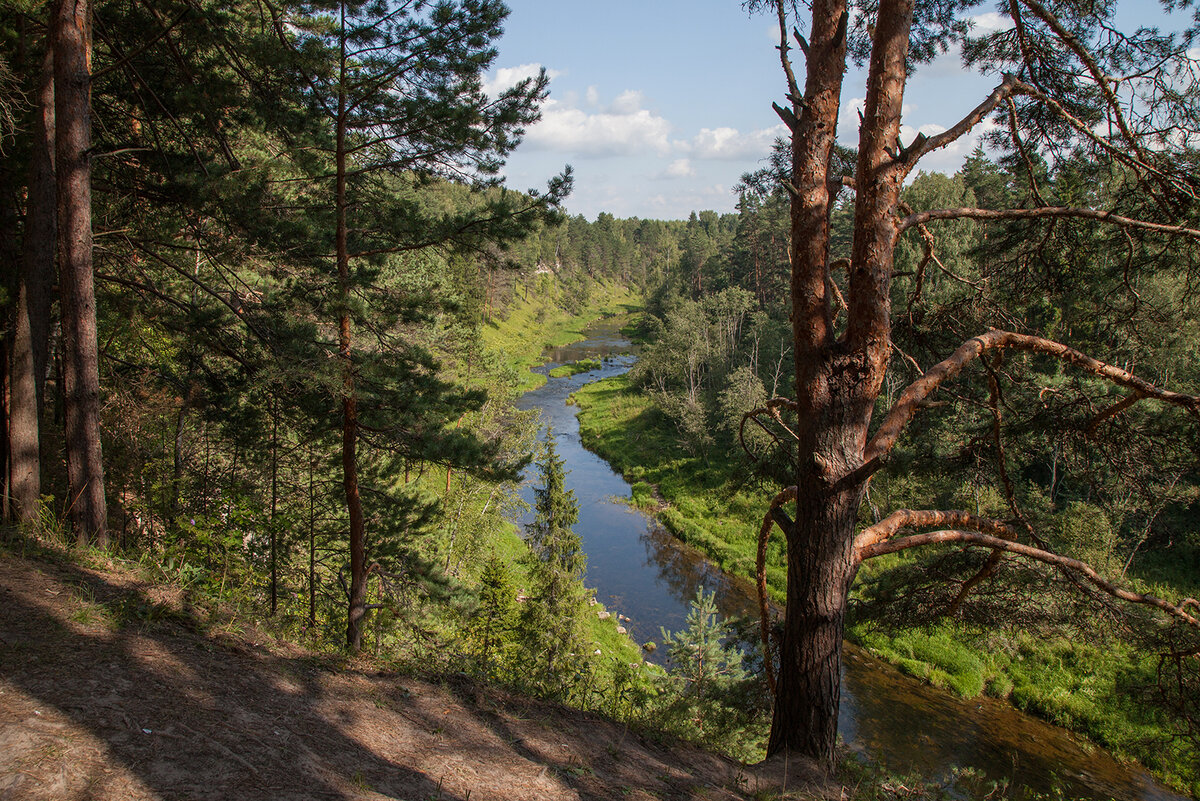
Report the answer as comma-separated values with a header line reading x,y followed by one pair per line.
x,y
114,688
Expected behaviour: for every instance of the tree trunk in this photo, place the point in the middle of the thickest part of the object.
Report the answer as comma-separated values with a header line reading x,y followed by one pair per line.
x,y
72,106
31,324
820,572
274,506
358,563
312,547
173,505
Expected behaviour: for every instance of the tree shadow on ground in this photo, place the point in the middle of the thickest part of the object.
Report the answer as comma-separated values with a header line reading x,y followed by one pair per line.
x,y
184,715
109,690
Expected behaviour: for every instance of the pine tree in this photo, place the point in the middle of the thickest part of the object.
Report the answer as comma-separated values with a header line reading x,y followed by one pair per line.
x,y
399,113
710,673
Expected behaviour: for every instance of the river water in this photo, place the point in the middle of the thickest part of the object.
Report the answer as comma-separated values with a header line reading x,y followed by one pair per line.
x,y
639,570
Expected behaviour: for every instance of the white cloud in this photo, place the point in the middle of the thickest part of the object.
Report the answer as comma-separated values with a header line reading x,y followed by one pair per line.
x,y
593,96
679,168
624,130
730,143
989,22
628,102
508,77
714,196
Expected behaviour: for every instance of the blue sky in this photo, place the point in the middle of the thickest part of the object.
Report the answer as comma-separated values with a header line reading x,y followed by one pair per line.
x,y
662,105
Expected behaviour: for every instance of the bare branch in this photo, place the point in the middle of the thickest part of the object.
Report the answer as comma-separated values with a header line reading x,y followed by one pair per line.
x,y
883,531
920,148
783,48
1014,128
772,410
1046,212
916,392
1112,411
993,561
1074,566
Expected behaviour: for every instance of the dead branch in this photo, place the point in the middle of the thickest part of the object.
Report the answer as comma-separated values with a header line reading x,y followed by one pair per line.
x,y
783,48
921,147
904,409
994,560
1045,212
1111,412
764,618
1082,569
772,410
1014,128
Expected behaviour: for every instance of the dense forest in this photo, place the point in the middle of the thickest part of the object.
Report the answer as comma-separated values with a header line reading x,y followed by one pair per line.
x,y
304,305
268,303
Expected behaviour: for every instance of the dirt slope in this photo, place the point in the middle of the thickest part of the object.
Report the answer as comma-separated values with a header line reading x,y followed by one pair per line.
x,y
94,706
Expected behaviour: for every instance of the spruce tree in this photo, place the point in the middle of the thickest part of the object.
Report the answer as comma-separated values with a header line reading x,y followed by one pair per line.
x,y
551,616
708,673
492,625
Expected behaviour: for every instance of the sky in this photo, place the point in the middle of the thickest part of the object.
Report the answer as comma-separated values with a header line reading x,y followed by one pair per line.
x,y
660,106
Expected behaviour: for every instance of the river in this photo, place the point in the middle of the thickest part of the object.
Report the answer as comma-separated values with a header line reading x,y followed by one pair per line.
x,y
641,571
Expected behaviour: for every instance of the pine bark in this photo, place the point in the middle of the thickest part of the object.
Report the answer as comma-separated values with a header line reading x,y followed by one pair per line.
x,y
31,317
72,105
837,378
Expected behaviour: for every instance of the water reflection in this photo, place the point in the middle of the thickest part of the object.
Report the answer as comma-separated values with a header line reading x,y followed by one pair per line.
x,y
640,571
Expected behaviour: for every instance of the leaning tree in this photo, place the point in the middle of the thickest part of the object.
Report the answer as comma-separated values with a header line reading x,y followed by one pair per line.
x,y
1070,87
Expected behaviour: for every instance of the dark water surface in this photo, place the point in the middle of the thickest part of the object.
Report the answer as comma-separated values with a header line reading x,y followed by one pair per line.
x,y
641,571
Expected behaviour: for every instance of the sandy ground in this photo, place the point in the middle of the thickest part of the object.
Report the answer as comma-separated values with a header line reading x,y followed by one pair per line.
x,y
92,709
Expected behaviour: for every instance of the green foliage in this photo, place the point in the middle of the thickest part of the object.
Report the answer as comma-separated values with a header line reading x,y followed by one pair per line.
x,y
550,618
710,687
576,367
494,620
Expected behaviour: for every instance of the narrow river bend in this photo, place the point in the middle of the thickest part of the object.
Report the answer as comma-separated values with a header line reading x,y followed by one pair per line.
x,y
641,571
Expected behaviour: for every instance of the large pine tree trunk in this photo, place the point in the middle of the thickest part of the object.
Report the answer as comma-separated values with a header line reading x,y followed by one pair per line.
x,y
837,378
72,105
820,571
31,323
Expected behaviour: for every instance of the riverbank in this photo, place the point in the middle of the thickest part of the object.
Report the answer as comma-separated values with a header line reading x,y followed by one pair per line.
x,y
539,317
1090,688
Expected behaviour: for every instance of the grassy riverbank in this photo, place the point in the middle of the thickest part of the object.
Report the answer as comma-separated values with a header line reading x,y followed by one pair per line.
x,y
1097,688
539,318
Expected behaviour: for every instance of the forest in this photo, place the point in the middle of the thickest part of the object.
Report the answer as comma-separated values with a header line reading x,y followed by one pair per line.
x,y
269,304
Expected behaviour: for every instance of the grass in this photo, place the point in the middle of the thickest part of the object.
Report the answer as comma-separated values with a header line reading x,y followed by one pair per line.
x,y
1093,688
574,368
535,321
701,501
